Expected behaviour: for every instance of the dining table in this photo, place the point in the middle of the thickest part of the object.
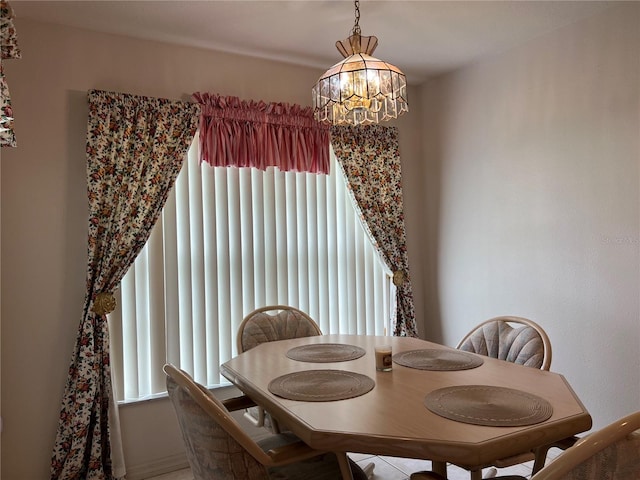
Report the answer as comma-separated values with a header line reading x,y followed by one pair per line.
x,y
435,403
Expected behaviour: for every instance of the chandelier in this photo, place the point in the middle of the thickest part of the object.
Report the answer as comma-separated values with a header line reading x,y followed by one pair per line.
x,y
360,89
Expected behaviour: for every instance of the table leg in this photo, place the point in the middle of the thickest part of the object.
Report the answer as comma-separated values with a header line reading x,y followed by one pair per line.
x,y
345,468
440,468
476,474
540,458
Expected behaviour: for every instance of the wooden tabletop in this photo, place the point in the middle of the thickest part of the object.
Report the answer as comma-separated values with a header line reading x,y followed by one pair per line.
x,y
392,418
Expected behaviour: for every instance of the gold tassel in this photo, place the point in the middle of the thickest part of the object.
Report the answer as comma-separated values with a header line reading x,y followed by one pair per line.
x,y
104,303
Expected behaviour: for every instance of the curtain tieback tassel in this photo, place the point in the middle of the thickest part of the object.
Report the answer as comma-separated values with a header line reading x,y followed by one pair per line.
x,y
104,303
398,278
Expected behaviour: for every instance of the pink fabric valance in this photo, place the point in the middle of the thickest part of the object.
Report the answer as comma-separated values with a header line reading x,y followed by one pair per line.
x,y
250,133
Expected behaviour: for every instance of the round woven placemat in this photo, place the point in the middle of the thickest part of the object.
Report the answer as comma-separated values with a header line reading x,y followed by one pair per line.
x,y
325,352
435,359
488,405
321,385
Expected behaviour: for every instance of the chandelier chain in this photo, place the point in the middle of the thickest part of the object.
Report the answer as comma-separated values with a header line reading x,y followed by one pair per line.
x,y
356,26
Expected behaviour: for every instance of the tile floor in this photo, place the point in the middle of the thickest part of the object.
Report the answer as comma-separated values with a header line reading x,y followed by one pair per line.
x,y
391,468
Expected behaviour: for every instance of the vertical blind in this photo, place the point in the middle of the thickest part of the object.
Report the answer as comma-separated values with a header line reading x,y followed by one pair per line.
x,y
231,240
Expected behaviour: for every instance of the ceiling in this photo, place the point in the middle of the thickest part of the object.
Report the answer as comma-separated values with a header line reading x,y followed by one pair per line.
x,y
422,38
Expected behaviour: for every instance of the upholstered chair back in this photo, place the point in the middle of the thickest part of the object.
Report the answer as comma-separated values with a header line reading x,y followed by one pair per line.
x,y
218,448
611,453
620,461
513,339
212,452
277,322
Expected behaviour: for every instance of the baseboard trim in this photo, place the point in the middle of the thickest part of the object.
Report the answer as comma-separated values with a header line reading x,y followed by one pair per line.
x,y
158,467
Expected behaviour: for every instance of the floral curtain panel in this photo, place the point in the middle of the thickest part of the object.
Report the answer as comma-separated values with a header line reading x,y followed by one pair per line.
x,y
241,133
135,149
10,50
370,158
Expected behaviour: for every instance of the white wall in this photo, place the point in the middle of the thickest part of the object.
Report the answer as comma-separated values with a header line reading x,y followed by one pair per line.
x,y
44,214
532,159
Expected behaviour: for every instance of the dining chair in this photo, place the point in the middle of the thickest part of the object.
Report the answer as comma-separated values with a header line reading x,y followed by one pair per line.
x,y
274,322
218,447
513,339
521,341
611,453
268,324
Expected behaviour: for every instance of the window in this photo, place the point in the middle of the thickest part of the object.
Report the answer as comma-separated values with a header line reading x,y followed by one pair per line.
x,y
230,240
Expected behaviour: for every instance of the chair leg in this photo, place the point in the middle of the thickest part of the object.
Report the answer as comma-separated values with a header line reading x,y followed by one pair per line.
x,y
491,473
275,426
368,469
253,420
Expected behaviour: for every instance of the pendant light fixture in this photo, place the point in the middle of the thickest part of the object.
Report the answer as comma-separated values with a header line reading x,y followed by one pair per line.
x,y
360,89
